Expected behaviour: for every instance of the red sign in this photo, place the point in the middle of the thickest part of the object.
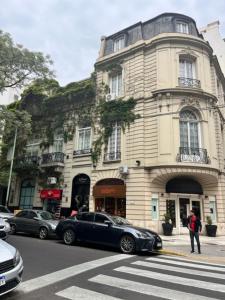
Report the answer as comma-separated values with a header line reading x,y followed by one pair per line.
x,y
55,194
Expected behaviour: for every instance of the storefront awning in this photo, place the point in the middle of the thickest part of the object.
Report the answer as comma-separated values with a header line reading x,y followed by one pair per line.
x,y
55,194
116,191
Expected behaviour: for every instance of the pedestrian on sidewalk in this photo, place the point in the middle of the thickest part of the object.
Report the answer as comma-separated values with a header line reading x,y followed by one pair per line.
x,y
195,228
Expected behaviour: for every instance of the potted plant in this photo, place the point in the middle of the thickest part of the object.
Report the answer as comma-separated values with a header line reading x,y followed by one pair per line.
x,y
167,225
210,228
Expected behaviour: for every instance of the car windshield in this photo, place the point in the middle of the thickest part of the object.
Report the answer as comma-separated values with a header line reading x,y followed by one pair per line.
x,y
4,209
45,215
120,220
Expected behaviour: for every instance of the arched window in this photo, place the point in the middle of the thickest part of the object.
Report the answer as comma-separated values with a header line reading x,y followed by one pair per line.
x,y
189,130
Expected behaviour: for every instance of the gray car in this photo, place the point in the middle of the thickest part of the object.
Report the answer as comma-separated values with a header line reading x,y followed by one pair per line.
x,y
38,222
5,213
4,229
11,268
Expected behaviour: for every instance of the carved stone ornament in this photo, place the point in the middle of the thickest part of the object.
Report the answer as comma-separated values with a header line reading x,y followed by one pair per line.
x,y
190,101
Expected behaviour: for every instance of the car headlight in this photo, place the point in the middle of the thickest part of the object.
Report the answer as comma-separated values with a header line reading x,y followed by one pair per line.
x,y
53,227
16,258
143,235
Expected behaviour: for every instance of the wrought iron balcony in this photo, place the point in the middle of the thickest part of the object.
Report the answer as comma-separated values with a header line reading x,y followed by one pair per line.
x,y
189,82
112,156
193,155
81,152
26,162
52,158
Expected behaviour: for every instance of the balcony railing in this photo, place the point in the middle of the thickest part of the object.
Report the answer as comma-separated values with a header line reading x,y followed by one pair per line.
x,y
81,152
194,155
27,161
189,82
52,158
112,156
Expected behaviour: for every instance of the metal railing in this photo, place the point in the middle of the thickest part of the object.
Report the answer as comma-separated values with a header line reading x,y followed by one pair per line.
x,y
27,161
195,155
54,157
81,152
112,156
189,82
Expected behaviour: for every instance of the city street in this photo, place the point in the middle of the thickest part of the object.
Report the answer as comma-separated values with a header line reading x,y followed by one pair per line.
x,y
55,271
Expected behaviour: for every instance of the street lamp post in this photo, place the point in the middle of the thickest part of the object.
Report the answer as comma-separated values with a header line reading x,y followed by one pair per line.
x,y
11,168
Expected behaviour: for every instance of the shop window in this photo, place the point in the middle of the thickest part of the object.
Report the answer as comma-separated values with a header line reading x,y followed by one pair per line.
x,y
155,211
171,211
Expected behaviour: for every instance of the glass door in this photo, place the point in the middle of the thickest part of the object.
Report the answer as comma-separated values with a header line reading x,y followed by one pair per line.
x,y
196,206
184,207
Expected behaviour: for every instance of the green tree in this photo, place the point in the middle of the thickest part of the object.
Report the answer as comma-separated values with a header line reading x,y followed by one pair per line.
x,y
18,65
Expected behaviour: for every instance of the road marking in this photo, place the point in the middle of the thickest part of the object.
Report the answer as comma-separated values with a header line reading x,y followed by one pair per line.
x,y
174,279
186,264
76,293
145,289
48,279
188,260
179,270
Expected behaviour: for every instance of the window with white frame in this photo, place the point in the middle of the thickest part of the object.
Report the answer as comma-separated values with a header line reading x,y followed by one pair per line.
x,y
189,129
182,27
84,139
114,144
119,43
187,68
32,148
58,143
115,84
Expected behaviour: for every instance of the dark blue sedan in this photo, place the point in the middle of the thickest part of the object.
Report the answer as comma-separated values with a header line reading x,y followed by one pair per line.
x,y
104,229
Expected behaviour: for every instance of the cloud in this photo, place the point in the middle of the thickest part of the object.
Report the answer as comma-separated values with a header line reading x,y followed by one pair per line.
x,y
70,30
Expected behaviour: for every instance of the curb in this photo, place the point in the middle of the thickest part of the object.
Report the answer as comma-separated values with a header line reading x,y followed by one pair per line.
x,y
171,252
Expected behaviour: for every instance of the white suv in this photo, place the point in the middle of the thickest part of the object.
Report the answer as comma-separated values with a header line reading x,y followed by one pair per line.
x,y
4,229
11,268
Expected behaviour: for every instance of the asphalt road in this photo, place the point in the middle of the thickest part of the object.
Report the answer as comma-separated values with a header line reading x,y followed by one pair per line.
x,y
53,270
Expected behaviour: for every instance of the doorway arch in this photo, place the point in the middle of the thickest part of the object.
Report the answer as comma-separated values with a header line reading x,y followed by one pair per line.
x,y
184,185
110,196
80,192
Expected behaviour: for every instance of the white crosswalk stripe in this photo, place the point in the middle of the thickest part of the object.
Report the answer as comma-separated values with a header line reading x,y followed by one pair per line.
x,y
173,279
145,289
187,264
175,258
179,270
76,293
149,277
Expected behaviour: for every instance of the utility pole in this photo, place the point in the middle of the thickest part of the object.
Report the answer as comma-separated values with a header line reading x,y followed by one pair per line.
x,y
11,168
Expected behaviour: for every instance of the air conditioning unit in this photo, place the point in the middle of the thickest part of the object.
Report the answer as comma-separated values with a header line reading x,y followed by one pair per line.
x,y
110,97
52,180
124,170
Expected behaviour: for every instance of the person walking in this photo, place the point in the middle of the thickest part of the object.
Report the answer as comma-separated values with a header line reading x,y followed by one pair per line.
x,y
195,227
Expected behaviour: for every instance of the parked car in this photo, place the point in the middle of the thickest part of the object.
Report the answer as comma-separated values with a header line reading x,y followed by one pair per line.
x,y
39,222
4,229
105,229
5,213
11,268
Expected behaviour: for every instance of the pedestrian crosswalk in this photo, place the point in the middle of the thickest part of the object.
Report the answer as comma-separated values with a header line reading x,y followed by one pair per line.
x,y
162,277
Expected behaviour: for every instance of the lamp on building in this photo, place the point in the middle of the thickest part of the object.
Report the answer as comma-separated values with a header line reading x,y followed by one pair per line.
x,y
138,163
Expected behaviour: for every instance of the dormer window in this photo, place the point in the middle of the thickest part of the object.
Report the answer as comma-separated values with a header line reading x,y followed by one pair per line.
x,y
182,27
119,43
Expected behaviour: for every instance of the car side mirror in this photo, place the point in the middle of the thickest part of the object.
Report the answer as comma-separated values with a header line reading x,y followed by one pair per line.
x,y
107,222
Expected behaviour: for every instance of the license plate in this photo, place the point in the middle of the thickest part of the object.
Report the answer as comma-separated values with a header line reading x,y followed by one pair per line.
x,y
159,244
2,280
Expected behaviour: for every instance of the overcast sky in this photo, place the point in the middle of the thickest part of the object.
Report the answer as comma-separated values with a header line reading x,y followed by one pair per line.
x,y
70,30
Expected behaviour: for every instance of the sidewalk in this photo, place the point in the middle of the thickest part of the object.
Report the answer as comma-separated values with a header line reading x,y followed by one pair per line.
x,y
213,248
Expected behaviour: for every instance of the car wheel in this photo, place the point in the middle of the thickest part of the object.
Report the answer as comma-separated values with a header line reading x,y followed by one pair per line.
x,y
69,237
127,244
13,229
43,233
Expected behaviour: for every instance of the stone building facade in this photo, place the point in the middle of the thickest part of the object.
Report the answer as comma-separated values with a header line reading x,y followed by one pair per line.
x,y
171,159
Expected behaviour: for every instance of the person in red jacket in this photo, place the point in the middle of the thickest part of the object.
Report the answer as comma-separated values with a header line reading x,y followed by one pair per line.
x,y
195,227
